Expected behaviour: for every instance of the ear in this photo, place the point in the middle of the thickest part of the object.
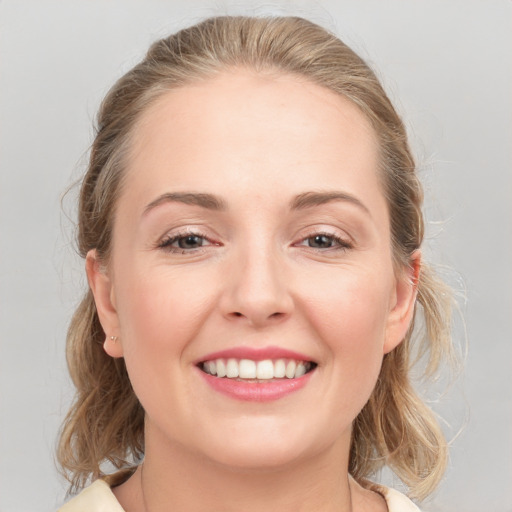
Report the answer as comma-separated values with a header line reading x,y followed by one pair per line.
x,y
403,302
104,297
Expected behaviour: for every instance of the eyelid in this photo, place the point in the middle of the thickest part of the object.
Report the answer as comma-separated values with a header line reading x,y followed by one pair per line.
x,y
342,242
166,241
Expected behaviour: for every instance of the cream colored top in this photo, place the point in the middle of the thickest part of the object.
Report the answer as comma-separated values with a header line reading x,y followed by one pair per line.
x,y
98,497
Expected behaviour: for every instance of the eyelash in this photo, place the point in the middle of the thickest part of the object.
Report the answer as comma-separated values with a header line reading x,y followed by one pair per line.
x,y
166,243
339,244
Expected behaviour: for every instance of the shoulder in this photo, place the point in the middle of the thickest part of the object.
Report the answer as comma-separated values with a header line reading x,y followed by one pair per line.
x,y
96,498
396,501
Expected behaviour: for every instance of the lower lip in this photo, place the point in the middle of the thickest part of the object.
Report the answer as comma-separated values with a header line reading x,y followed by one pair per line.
x,y
256,391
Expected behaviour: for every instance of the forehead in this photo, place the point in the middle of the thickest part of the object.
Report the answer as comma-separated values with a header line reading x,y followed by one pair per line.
x,y
256,131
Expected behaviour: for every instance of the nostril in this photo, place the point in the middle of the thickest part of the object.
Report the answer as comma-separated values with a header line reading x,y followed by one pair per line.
x,y
256,318
273,315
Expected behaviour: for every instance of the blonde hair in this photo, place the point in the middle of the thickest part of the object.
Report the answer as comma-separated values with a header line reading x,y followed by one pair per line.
x,y
395,428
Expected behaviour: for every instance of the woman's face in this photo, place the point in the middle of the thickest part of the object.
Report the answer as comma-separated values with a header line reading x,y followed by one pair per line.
x,y
252,235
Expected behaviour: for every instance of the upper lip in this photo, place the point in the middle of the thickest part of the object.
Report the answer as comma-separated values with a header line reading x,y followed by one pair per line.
x,y
255,354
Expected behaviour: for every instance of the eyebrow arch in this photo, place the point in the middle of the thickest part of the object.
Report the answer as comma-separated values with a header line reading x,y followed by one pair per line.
x,y
310,199
208,201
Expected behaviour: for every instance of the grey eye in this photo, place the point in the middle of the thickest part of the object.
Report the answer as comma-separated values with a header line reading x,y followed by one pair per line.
x,y
190,242
320,241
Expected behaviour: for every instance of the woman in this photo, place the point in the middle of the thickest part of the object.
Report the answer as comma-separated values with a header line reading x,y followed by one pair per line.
x,y
251,225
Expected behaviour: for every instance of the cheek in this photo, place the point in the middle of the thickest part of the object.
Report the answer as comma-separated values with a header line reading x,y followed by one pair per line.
x,y
162,311
349,315
351,307
160,314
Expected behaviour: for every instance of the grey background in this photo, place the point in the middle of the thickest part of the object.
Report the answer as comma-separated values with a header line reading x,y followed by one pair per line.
x,y
446,65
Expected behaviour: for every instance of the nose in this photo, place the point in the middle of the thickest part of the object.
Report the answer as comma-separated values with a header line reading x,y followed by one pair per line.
x,y
256,290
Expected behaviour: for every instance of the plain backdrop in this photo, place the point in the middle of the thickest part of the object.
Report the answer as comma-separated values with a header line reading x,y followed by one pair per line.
x,y
447,66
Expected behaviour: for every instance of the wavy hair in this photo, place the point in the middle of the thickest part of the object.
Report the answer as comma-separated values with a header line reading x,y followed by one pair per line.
x,y
395,428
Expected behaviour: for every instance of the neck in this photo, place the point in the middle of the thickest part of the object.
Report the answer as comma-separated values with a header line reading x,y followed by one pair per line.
x,y
175,479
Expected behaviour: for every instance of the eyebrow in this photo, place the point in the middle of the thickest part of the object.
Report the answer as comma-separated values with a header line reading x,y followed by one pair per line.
x,y
311,199
215,203
208,201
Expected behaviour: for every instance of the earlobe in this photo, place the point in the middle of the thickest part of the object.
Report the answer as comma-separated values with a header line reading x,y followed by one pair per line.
x,y
104,298
402,312
113,347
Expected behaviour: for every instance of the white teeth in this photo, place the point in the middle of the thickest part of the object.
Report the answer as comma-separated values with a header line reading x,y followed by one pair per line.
x,y
212,367
265,369
301,370
221,368
247,369
290,369
261,370
232,369
280,369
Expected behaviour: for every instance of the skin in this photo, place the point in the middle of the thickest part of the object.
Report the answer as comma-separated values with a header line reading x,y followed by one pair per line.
x,y
256,142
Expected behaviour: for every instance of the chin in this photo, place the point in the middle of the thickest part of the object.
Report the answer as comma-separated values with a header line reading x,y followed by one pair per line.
x,y
264,447
256,459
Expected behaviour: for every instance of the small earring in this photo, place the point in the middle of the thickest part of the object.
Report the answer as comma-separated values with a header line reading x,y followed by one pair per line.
x,y
113,338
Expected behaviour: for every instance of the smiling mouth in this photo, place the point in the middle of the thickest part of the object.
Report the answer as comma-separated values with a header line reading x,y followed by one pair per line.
x,y
256,371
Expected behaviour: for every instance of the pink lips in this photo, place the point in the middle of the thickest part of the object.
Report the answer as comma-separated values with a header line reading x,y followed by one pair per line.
x,y
256,354
255,391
